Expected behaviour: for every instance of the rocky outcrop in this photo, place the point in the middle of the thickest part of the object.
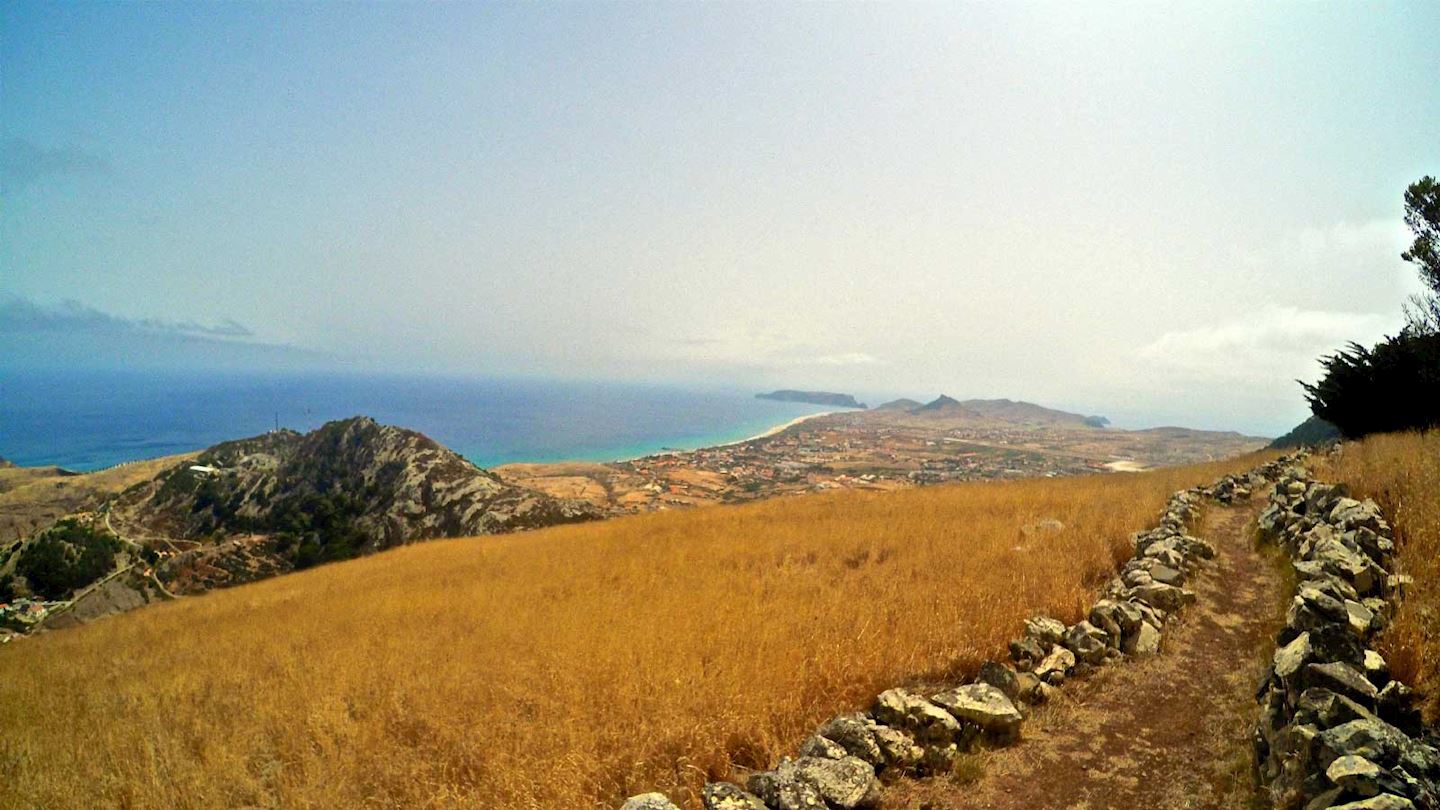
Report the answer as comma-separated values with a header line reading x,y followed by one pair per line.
x,y
354,486
910,733
1335,731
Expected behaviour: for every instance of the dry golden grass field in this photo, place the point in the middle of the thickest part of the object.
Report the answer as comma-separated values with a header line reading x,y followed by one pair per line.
x,y
562,668
1402,473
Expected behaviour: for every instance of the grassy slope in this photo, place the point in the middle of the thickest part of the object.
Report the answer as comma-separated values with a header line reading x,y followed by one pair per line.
x,y
561,668
1402,473
32,499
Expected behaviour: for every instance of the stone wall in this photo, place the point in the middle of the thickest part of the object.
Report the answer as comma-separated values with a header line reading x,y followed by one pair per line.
x,y
904,733
1335,731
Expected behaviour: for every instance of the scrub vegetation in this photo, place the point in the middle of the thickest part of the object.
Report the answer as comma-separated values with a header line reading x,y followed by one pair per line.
x,y
1401,472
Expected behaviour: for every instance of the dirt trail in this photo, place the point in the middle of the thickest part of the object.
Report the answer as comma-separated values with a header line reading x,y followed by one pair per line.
x,y
1169,732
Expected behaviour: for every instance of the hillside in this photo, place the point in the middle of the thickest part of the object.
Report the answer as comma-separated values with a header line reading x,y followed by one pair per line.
x,y
564,668
945,407
348,488
33,498
1006,410
1312,431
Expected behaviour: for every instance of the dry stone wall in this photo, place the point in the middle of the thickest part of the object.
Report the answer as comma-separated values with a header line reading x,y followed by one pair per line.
x,y
905,733
1335,731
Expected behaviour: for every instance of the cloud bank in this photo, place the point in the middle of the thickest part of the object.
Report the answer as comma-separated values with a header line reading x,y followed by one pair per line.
x,y
22,315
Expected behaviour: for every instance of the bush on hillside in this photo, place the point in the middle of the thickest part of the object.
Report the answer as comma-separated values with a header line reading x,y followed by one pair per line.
x,y
66,557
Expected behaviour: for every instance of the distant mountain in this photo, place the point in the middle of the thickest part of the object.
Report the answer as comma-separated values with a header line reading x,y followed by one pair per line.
x,y
943,406
814,398
1310,432
898,405
1005,410
349,488
1173,432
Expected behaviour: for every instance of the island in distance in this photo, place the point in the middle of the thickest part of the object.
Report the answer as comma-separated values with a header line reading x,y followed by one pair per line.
x,y
813,398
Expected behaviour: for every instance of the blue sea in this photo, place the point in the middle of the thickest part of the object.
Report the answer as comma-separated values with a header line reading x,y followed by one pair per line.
x,y
92,420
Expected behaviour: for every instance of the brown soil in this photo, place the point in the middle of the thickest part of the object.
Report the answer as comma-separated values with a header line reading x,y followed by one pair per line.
x,y
1169,732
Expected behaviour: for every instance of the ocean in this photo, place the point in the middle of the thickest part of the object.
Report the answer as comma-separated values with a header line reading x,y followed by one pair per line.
x,y
93,420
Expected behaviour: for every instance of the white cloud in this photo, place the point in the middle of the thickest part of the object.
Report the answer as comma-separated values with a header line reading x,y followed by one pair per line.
x,y
846,359
1272,346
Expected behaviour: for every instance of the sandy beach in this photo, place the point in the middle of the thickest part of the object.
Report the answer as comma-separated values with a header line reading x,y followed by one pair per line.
x,y
765,435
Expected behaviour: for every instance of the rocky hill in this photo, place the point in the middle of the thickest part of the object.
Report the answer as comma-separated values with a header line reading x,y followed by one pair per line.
x,y
946,407
1019,412
1313,431
348,488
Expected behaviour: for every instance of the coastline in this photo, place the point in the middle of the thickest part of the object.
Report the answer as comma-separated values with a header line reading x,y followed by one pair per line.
x,y
777,429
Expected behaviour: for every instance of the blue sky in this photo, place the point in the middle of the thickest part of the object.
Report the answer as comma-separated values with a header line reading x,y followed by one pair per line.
x,y
1121,208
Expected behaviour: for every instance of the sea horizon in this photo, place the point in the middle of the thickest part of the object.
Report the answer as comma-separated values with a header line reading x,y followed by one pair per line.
x,y
90,420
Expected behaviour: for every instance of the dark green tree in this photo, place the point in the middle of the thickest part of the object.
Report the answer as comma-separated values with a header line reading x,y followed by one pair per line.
x,y
1396,384
1422,215
1393,386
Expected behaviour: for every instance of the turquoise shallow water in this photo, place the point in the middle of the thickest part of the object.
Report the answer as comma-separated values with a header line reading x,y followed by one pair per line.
x,y
91,420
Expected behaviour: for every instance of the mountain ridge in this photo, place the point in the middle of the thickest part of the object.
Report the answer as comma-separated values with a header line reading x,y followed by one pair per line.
x,y
348,488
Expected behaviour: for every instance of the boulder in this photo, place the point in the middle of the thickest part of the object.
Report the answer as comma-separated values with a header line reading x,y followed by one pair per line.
x,y
1361,618
1312,608
1030,688
1001,677
1128,616
1342,678
819,746
649,801
1291,659
925,721
1044,629
845,784
1376,670
1164,597
897,748
1370,738
784,789
1198,547
1137,577
1384,801
1102,615
853,733
1145,641
1165,575
1355,774
1326,709
727,796
1335,642
1025,652
986,707
1087,642
1060,661
1351,566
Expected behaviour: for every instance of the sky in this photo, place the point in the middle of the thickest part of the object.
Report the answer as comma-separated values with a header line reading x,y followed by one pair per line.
x,y
1159,213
